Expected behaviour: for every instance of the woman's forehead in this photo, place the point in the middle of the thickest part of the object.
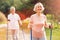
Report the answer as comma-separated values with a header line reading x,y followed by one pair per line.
x,y
39,6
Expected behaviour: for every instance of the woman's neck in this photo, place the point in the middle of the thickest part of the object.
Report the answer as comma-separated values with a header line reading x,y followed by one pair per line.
x,y
38,14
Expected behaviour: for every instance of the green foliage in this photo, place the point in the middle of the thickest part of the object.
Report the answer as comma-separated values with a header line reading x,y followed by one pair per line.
x,y
55,34
4,6
22,4
50,18
19,4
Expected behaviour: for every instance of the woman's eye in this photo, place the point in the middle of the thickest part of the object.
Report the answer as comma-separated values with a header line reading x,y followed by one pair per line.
x,y
39,7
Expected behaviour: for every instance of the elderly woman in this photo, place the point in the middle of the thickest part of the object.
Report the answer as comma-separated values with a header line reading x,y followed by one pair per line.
x,y
38,22
13,23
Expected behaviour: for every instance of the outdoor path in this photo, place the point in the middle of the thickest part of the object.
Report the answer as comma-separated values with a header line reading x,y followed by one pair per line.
x,y
23,35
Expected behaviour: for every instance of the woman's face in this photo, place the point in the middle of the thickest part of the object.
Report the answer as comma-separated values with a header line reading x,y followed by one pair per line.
x,y
12,11
38,9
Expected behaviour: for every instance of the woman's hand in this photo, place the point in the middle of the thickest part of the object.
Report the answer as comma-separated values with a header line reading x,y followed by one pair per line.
x,y
51,26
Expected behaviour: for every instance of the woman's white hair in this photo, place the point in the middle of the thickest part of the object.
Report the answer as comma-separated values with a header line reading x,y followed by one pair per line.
x,y
38,4
12,7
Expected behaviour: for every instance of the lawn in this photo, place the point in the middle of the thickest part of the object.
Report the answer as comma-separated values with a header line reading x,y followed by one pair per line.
x,y
55,34
3,33
55,31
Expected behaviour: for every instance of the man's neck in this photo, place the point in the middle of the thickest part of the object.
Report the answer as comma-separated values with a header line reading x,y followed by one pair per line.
x,y
13,13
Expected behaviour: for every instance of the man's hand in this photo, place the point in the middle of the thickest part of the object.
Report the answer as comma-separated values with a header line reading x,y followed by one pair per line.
x,y
20,23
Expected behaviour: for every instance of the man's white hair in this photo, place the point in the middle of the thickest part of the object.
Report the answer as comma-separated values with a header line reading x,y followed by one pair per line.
x,y
12,7
38,4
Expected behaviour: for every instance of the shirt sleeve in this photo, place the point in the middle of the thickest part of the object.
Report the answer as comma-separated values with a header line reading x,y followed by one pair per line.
x,y
46,24
19,19
8,17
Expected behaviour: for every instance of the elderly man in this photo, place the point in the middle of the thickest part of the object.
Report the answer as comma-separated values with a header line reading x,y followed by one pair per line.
x,y
14,22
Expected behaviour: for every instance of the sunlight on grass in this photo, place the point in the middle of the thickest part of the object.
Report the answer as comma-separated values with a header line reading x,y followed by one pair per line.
x,y
3,19
3,33
55,34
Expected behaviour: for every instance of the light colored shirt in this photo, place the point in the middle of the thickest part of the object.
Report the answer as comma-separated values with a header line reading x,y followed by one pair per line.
x,y
37,24
13,23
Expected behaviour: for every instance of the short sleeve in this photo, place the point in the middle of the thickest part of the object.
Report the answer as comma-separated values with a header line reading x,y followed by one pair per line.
x,y
8,17
19,18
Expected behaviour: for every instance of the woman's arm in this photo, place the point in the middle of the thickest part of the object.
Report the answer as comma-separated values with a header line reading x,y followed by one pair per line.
x,y
48,25
30,23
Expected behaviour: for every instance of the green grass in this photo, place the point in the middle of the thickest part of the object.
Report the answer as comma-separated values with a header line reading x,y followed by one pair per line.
x,y
2,22
55,31
55,34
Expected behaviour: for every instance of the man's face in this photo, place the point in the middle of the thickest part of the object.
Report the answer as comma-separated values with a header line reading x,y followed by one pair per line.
x,y
12,11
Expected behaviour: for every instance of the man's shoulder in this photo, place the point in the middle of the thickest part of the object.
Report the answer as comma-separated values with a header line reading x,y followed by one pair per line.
x,y
9,14
16,14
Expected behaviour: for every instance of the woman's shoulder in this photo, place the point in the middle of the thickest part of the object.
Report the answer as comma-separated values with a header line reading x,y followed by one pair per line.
x,y
33,15
43,15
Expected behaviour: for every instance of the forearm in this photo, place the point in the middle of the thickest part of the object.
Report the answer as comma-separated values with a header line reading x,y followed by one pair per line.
x,y
20,23
48,25
29,26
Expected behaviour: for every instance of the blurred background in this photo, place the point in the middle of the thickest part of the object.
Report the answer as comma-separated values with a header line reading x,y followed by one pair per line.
x,y
25,9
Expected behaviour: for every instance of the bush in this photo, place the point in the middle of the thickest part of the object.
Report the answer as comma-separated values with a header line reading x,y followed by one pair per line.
x,y
50,18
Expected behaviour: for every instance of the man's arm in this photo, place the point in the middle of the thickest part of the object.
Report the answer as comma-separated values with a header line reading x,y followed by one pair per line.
x,y
20,22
